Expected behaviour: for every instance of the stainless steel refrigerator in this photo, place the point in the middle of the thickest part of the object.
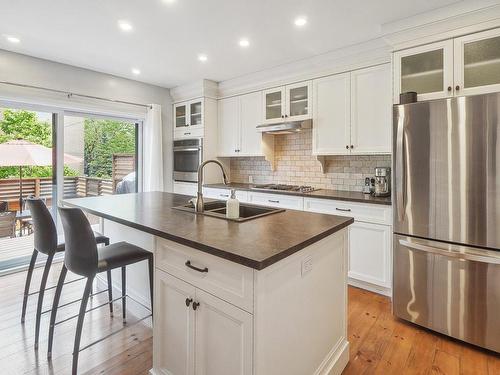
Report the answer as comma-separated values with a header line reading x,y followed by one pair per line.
x,y
446,261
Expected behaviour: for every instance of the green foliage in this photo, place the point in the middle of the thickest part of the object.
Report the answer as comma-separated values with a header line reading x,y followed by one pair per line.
x,y
20,124
103,138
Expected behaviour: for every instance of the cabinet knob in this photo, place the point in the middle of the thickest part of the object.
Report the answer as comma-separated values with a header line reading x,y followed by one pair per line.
x,y
347,147
457,88
450,88
352,146
188,301
195,305
286,115
282,116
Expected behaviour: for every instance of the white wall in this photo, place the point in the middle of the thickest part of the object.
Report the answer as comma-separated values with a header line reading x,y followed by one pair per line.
x,y
28,70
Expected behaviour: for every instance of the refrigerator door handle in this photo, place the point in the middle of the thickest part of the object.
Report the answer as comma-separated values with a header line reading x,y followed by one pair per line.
x,y
453,254
400,188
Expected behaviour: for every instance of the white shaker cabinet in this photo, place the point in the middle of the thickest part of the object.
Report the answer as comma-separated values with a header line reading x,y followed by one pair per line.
x,y
331,115
371,110
237,125
189,119
287,103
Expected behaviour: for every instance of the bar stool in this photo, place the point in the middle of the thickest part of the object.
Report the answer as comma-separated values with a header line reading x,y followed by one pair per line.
x,y
84,258
47,242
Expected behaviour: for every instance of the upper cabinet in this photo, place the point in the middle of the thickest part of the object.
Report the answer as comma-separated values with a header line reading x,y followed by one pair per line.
x,y
237,125
287,103
427,70
467,65
188,119
477,63
352,112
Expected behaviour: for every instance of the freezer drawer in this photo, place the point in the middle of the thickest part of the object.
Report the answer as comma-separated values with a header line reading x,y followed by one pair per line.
x,y
452,289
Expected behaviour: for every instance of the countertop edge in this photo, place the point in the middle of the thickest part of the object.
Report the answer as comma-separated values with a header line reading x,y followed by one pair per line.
x,y
305,195
257,265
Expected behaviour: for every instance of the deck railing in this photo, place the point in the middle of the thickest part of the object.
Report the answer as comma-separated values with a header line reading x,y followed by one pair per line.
x,y
41,187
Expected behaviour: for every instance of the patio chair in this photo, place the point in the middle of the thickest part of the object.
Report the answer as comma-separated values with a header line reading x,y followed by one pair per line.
x,y
7,224
4,206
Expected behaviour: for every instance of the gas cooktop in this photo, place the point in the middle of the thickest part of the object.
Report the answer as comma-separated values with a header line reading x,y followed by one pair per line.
x,y
282,187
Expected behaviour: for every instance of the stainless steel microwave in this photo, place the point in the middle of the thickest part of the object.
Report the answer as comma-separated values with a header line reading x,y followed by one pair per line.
x,y
188,155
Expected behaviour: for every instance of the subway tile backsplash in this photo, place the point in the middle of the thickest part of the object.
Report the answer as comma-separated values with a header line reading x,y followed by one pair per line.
x,y
295,165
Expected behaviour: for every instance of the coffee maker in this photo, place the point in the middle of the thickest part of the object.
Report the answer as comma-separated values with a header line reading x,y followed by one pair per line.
x,y
382,182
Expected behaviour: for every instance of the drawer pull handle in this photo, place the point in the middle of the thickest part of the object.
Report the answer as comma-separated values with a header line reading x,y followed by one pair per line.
x,y
188,264
188,301
272,201
224,195
343,209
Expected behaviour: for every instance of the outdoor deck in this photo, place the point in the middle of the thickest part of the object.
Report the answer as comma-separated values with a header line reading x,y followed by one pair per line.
x,y
15,251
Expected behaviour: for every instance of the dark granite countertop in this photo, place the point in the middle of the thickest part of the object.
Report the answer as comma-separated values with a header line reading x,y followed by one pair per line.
x,y
255,243
341,195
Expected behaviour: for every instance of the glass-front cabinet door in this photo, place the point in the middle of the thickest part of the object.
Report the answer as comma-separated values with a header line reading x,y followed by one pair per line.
x,y
196,113
477,63
427,70
180,115
298,100
274,105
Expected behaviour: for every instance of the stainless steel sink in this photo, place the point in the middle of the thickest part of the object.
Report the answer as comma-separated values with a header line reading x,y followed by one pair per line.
x,y
218,209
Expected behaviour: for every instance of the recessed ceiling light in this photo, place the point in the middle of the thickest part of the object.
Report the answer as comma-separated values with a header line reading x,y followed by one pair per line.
x,y
13,39
125,25
202,57
300,21
136,71
244,42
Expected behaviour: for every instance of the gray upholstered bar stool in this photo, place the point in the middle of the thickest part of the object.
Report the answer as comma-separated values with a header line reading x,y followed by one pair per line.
x,y
46,241
84,258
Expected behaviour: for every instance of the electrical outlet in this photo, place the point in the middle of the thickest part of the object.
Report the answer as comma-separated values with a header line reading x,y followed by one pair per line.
x,y
250,179
307,265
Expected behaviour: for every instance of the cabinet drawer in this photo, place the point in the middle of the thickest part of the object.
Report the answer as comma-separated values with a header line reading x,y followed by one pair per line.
x,y
188,132
224,194
367,212
227,280
276,200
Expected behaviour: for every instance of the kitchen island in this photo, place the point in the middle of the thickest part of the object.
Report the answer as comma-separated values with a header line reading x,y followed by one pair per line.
x,y
267,296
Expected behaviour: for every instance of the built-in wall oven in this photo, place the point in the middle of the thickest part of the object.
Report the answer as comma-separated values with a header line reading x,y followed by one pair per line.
x,y
188,155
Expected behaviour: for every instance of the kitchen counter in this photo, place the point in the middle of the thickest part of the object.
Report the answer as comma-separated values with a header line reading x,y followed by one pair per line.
x,y
341,195
256,243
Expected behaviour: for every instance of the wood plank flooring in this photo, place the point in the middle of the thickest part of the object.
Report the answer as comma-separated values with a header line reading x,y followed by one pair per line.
x,y
380,344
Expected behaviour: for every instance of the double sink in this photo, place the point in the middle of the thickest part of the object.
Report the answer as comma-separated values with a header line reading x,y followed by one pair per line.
x,y
218,209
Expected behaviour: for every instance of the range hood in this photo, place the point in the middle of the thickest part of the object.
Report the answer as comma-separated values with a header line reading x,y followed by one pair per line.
x,y
285,127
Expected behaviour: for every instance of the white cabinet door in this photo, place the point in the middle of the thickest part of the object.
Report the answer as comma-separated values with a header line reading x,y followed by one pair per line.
x,y
371,110
427,70
273,105
195,119
250,116
228,126
298,101
276,200
477,63
224,337
224,194
186,188
180,115
370,253
331,115
174,325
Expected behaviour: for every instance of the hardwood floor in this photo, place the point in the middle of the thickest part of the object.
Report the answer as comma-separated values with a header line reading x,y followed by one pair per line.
x,y
380,344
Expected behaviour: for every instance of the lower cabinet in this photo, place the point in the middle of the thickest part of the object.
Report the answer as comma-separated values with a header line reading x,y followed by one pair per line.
x,y
369,253
185,188
199,333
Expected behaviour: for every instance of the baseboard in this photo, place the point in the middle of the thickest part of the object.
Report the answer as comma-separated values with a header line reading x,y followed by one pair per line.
x,y
336,361
371,287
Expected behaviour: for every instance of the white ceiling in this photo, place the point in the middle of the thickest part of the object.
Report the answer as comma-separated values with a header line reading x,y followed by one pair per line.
x,y
169,35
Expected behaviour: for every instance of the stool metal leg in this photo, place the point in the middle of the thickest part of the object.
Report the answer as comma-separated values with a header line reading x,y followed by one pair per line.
x,y
28,282
150,266
124,292
79,325
110,293
55,305
43,283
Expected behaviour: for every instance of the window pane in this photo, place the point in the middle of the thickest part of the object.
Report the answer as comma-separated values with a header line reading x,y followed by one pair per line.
x,y
423,72
482,62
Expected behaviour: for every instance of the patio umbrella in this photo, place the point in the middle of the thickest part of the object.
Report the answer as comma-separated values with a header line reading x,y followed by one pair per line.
x,y
21,153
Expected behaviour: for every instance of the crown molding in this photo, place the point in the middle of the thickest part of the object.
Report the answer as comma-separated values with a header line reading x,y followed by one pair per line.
x,y
357,56
203,88
443,23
